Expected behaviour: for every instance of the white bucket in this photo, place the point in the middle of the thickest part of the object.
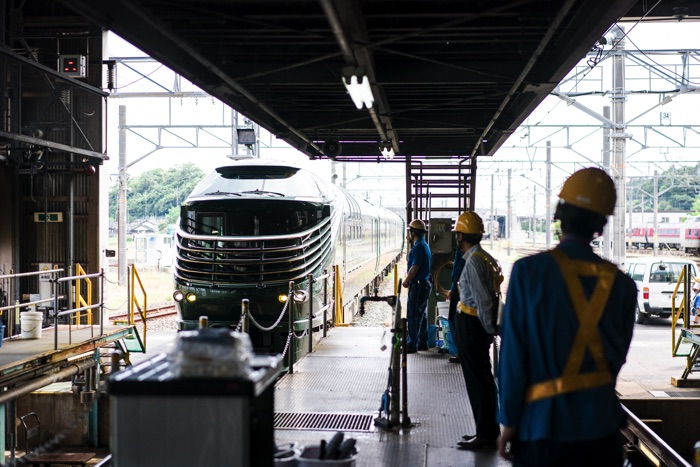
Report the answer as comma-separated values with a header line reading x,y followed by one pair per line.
x,y
30,322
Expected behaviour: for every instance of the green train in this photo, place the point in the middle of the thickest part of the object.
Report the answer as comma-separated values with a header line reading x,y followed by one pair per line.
x,y
250,228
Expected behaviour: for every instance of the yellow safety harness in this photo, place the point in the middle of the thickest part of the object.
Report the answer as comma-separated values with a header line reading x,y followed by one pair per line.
x,y
469,310
588,313
497,278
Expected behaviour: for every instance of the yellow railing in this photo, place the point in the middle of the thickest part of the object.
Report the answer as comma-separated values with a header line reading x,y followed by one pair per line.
x,y
680,311
81,301
338,296
134,304
676,313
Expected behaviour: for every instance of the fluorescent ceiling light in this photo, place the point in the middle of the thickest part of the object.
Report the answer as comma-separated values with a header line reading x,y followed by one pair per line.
x,y
360,92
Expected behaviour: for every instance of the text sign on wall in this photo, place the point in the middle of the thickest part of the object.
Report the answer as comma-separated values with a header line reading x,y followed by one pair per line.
x,y
48,217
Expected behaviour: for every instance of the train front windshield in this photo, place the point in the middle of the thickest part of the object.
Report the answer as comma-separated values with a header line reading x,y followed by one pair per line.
x,y
264,181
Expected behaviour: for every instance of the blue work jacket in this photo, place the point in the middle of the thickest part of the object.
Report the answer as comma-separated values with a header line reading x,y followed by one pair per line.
x,y
538,329
420,255
457,266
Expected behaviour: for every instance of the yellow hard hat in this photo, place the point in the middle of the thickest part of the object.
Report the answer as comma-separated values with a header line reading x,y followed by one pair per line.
x,y
417,224
591,189
469,222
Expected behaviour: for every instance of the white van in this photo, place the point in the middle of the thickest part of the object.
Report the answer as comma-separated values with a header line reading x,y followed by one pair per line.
x,y
656,278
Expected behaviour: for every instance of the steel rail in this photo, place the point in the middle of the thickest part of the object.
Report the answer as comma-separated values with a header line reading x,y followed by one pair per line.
x,y
650,444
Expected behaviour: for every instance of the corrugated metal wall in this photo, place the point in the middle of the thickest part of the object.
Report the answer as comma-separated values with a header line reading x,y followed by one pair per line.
x,y
52,180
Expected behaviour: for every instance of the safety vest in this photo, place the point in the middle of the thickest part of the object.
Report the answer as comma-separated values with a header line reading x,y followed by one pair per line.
x,y
588,313
497,279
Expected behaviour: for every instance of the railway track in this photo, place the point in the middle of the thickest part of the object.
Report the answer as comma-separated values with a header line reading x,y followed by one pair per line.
x,y
153,313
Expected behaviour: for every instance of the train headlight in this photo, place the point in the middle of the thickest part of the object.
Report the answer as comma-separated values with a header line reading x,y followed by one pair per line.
x,y
191,297
300,296
178,296
282,298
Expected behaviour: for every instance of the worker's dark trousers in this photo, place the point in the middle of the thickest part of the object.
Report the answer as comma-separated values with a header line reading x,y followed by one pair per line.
x,y
452,318
473,349
600,452
417,315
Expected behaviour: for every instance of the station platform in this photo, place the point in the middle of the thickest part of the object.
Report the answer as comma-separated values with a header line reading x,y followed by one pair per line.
x,y
347,374
339,386
17,355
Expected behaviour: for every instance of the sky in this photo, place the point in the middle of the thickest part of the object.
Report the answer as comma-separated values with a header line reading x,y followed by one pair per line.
x,y
578,146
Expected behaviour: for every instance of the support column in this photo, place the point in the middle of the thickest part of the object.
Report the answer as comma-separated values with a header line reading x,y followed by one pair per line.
x,y
121,200
607,247
509,213
493,228
548,195
619,146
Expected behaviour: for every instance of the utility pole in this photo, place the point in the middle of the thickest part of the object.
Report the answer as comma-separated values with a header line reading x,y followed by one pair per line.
x,y
534,213
508,215
548,195
121,203
606,167
493,230
656,210
619,138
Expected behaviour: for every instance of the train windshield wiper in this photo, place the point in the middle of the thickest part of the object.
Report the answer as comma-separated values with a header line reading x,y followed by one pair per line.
x,y
219,192
261,192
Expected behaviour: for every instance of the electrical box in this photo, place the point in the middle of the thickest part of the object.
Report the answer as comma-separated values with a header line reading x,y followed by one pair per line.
x,y
45,281
158,418
72,65
440,236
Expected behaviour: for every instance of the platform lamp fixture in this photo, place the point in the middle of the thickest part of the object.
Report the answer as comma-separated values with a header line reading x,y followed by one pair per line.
x,y
387,150
359,89
246,136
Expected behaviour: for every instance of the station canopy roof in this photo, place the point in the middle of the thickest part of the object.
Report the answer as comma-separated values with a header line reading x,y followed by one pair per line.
x,y
449,79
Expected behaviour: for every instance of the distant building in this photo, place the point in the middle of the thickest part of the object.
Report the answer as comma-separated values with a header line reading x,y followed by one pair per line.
x,y
142,226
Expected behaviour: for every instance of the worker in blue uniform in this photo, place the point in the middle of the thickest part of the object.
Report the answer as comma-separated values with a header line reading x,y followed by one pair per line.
x,y
567,326
418,283
457,266
695,301
475,322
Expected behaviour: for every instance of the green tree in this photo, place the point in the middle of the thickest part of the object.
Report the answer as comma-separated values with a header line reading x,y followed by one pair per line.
x,y
681,185
157,192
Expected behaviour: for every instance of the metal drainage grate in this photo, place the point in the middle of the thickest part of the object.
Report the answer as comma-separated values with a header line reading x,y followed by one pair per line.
x,y
324,421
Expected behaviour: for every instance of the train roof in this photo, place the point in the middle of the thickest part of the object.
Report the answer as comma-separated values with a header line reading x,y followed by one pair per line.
x,y
262,178
254,161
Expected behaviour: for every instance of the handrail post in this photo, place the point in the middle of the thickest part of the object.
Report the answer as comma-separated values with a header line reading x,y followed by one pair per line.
x,y
335,295
325,301
290,313
244,314
15,315
102,301
311,311
10,297
55,313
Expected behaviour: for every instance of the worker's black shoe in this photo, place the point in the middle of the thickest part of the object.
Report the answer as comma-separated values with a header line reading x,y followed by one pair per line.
x,y
468,437
422,347
477,443
455,359
410,349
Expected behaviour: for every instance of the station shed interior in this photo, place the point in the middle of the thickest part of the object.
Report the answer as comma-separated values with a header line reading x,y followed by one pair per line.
x,y
450,81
